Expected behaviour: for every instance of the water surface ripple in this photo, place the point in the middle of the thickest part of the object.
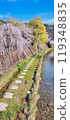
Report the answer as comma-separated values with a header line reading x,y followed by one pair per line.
x,y
46,102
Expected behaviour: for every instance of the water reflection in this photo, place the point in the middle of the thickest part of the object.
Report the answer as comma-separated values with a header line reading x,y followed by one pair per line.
x,y
46,102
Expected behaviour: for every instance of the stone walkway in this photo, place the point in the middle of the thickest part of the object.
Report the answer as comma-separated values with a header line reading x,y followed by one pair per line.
x,y
21,77
23,73
14,87
18,81
25,70
3,106
8,95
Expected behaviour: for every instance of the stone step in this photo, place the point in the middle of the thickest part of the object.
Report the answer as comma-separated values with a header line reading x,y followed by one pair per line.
x,y
9,95
25,70
23,73
18,81
21,77
3,106
14,87
27,67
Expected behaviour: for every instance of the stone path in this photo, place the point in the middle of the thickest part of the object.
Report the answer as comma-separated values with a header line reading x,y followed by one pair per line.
x,y
18,81
23,73
3,106
21,77
9,95
25,70
14,87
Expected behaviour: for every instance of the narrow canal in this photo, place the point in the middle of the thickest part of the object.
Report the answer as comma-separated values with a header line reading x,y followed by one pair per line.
x,y
46,102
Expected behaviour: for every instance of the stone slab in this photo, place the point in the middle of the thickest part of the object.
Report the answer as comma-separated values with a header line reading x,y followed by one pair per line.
x,y
9,95
23,73
21,77
25,70
27,67
18,81
14,87
3,106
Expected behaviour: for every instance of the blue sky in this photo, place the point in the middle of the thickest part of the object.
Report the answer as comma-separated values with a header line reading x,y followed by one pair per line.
x,y
25,10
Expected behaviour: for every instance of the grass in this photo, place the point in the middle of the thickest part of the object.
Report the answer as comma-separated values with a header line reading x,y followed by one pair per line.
x,y
21,92
7,76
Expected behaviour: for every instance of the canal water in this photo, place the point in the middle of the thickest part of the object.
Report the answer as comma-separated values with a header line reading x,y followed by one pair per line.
x,y
46,102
